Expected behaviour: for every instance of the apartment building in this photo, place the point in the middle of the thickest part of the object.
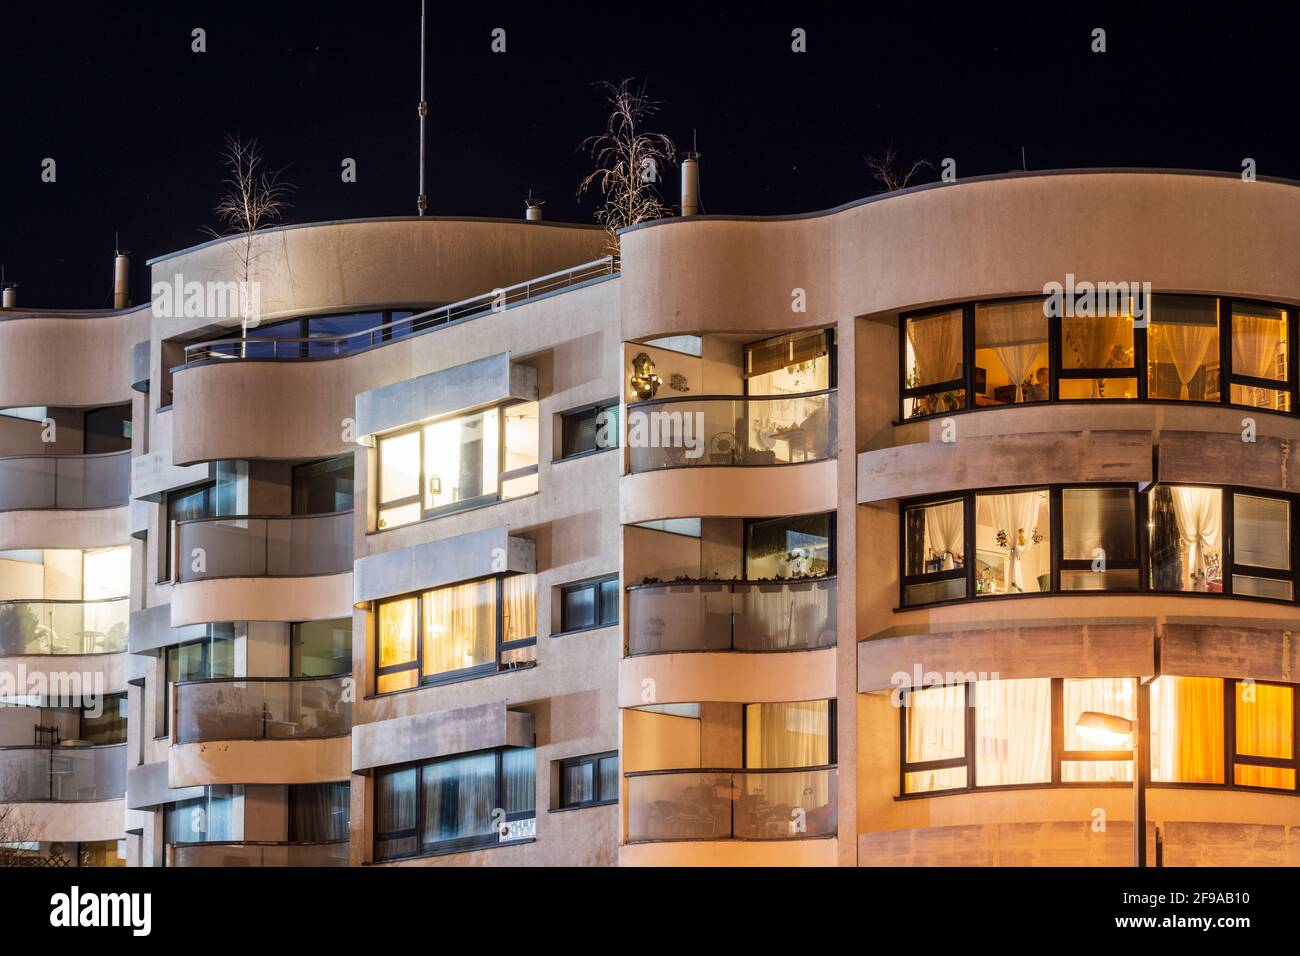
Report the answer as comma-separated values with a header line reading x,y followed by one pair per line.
x,y
882,536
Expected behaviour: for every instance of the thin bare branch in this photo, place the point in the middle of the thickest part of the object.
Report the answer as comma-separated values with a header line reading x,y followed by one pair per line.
x,y
886,169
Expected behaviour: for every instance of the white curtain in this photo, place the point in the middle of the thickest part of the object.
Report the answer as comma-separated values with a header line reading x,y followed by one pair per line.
x,y
1013,732
1106,695
1016,513
1187,346
1089,342
936,728
1016,332
1200,524
1256,343
944,530
936,347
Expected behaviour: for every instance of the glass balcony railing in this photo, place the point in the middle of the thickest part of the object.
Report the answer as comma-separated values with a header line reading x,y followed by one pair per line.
x,y
731,616
727,432
73,482
260,854
263,708
63,627
62,774
731,804
254,547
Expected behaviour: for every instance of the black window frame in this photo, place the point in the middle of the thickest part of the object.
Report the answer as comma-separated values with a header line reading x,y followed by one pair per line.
x,y
1141,369
209,511
460,845
486,669
576,416
600,799
1232,758
831,545
599,604
1142,503
206,643
466,504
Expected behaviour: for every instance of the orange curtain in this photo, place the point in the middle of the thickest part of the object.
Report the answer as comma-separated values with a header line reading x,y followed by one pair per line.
x,y
1264,729
519,610
1187,730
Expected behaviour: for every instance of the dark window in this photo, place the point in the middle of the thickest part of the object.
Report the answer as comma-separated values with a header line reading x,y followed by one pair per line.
x,y
589,604
205,819
186,505
784,548
589,781
109,725
323,487
321,648
212,656
318,812
107,429
588,430
449,805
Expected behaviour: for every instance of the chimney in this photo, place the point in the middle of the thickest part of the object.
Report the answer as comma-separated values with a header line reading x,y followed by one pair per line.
x,y
9,297
533,208
691,185
121,279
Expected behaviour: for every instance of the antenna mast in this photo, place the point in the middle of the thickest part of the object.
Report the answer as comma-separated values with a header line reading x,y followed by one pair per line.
x,y
422,203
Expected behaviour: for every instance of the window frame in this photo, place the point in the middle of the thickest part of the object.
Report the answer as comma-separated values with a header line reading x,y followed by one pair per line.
x,y
447,677
1141,365
163,704
1060,755
831,545
600,799
461,844
598,604
209,487
1142,499
478,501
574,414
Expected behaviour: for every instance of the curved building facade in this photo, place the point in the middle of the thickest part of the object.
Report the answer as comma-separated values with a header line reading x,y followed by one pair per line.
x,y
951,527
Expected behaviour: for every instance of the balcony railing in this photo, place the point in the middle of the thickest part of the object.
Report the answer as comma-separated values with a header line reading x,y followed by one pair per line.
x,y
63,627
246,546
729,432
62,774
731,616
263,708
260,854
73,482
297,349
731,804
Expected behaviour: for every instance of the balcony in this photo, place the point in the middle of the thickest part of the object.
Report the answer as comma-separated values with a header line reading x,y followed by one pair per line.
x,y
731,616
65,482
63,627
731,432
253,547
268,708
62,774
680,805
260,854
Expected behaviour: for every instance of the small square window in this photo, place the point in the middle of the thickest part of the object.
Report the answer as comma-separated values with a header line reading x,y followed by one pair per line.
x,y
588,781
589,604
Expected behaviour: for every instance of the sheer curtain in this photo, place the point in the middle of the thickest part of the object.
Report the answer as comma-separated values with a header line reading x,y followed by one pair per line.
x,y
1090,341
519,607
1257,341
459,626
1013,732
936,730
1187,347
944,531
1106,695
1200,524
785,735
459,795
1187,730
1014,514
318,812
1016,332
936,347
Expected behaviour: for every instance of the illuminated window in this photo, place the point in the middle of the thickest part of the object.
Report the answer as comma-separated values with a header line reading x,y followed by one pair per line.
x,y
1265,753
1098,356
933,363
1260,357
478,627
1183,348
1013,548
1261,546
1186,529
457,462
1187,730
1011,364
1096,759
934,734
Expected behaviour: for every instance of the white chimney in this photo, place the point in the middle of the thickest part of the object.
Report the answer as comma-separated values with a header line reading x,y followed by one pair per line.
x,y
9,298
691,185
533,212
121,279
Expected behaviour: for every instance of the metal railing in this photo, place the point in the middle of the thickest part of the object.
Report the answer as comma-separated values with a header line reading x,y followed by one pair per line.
x,y
292,349
665,805
62,774
731,616
250,546
76,482
731,432
334,853
64,627
263,708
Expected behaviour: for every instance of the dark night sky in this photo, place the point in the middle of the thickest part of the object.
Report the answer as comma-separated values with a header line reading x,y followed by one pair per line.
x,y
136,121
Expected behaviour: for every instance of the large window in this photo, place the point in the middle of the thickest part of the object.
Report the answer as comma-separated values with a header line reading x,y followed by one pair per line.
x,y
589,604
783,735
449,633
1114,346
206,819
1186,538
450,805
212,656
323,487
790,364
321,648
589,430
192,503
457,463
785,548
1026,733
590,781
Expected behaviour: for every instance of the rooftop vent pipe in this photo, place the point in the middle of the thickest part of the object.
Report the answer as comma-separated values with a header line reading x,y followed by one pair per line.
x,y
533,208
691,184
121,279
9,297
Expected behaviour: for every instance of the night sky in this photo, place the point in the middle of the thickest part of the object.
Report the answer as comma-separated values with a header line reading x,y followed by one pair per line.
x,y
136,121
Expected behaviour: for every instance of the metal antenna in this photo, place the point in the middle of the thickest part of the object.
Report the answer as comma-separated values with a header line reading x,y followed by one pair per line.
x,y
1023,165
422,203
